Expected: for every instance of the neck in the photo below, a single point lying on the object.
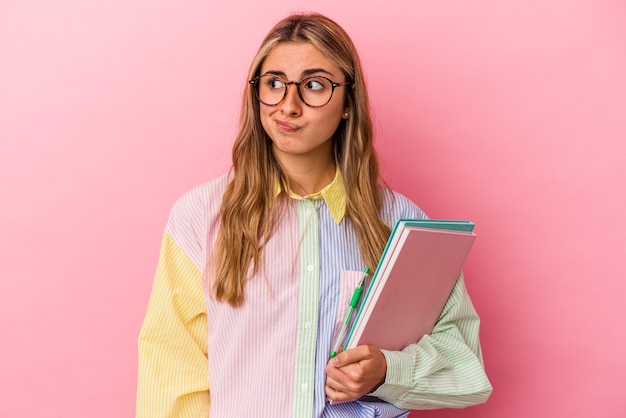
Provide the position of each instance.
(308, 177)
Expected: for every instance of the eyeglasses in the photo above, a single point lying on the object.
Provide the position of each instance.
(314, 91)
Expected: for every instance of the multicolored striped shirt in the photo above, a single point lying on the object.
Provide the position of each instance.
(199, 357)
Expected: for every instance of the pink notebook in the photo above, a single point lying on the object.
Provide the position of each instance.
(410, 287)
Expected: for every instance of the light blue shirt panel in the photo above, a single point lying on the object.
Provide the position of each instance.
(339, 252)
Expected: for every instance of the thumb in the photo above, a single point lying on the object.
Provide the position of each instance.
(343, 358)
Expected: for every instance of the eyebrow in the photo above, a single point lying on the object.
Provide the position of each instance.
(304, 74)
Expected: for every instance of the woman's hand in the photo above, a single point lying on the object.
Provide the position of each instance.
(355, 372)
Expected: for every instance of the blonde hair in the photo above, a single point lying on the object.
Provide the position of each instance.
(250, 208)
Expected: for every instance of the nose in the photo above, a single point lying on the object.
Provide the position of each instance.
(292, 104)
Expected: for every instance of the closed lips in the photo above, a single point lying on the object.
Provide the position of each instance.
(286, 126)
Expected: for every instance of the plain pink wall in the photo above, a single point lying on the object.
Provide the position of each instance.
(512, 114)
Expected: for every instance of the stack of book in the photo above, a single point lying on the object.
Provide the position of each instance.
(417, 271)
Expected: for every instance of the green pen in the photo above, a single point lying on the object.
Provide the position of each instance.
(356, 297)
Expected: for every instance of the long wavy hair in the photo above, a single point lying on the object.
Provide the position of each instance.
(250, 208)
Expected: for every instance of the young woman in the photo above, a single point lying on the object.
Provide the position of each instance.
(257, 265)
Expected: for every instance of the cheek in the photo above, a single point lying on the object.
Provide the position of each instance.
(331, 121)
(335, 113)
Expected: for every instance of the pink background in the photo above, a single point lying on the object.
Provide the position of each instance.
(512, 114)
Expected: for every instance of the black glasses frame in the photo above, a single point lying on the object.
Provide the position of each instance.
(334, 85)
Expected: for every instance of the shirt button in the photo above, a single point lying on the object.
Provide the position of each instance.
(309, 268)
(308, 325)
(304, 387)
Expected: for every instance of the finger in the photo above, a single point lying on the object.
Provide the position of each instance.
(341, 385)
(335, 385)
(344, 387)
(331, 390)
(358, 378)
(334, 372)
(337, 395)
(347, 357)
(346, 378)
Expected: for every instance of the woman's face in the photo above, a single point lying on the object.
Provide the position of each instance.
(299, 132)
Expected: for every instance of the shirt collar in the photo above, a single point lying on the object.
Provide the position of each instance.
(334, 195)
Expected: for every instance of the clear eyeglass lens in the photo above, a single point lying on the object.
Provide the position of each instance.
(314, 91)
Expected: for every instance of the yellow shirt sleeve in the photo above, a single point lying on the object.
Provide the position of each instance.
(173, 376)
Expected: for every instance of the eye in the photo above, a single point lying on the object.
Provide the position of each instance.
(315, 84)
(274, 83)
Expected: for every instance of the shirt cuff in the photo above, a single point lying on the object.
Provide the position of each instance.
(399, 377)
